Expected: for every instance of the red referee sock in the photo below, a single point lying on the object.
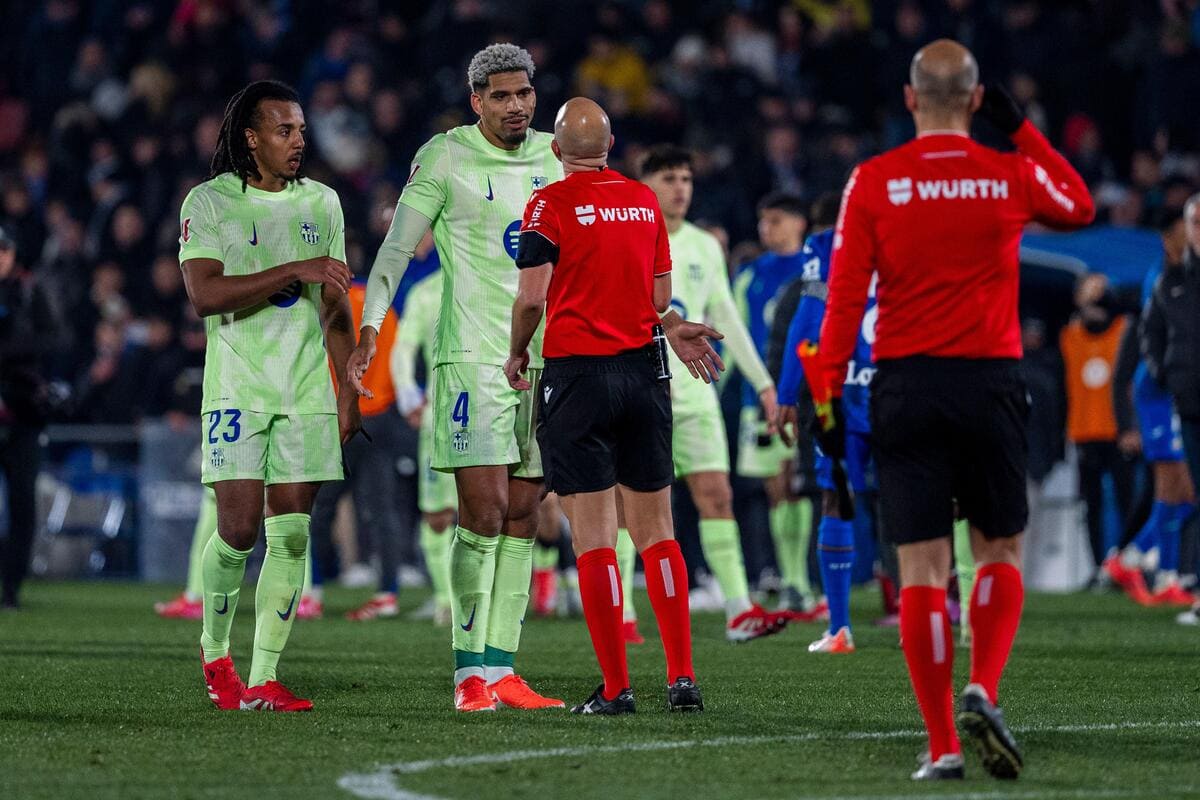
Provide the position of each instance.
(929, 650)
(600, 590)
(995, 614)
(667, 585)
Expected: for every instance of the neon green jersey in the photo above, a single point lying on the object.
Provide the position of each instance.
(701, 293)
(475, 194)
(418, 325)
(270, 357)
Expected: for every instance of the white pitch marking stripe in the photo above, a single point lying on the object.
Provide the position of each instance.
(380, 784)
(664, 564)
(615, 585)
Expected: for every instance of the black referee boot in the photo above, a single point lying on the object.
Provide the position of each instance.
(596, 704)
(993, 741)
(684, 695)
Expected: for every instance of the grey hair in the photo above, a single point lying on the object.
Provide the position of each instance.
(1191, 204)
(497, 58)
(946, 89)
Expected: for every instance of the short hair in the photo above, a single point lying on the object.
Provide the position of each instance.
(233, 154)
(782, 201)
(824, 211)
(1191, 204)
(497, 58)
(664, 156)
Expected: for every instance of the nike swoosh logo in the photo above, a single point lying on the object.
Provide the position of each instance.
(285, 615)
(225, 607)
(254, 232)
(470, 622)
(490, 196)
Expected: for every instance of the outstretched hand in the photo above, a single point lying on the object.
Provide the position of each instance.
(690, 341)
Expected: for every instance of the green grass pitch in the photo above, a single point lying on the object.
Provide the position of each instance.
(100, 699)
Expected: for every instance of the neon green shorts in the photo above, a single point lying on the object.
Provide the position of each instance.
(758, 455)
(436, 491)
(698, 441)
(274, 448)
(479, 420)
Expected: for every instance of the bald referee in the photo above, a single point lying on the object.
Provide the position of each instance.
(594, 256)
(939, 219)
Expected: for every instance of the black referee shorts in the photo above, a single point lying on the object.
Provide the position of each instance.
(604, 420)
(947, 429)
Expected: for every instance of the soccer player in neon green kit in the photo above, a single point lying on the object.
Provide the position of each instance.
(263, 257)
(470, 185)
(698, 443)
(436, 497)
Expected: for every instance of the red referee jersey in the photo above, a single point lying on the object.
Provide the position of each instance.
(940, 220)
(607, 240)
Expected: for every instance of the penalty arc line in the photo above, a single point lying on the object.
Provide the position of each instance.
(380, 784)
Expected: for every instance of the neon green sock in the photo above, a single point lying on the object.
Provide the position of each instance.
(222, 568)
(510, 598)
(472, 570)
(626, 556)
(722, 548)
(964, 565)
(206, 523)
(278, 592)
(801, 511)
(784, 546)
(544, 557)
(436, 549)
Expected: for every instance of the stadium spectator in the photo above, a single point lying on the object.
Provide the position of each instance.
(29, 332)
(947, 404)
(1089, 347)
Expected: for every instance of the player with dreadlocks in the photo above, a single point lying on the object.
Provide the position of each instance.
(263, 257)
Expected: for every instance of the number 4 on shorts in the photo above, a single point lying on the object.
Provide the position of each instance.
(461, 409)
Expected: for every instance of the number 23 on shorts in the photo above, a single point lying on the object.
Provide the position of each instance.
(462, 406)
(230, 431)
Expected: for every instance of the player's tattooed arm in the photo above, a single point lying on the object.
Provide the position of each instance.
(213, 292)
(338, 322)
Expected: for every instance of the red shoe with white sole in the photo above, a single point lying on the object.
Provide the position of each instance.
(225, 688)
(273, 696)
(180, 608)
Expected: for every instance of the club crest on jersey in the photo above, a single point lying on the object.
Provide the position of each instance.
(308, 232)
(460, 441)
(539, 181)
(585, 214)
(217, 458)
(696, 272)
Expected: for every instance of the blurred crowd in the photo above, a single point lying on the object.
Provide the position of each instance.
(109, 112)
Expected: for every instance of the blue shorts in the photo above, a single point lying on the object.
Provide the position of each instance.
(860, 468)
(1162, 439)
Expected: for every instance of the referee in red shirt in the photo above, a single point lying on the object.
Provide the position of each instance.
(939, 219)
(593, 254)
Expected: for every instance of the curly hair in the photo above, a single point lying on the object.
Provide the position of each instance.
(233, 153)
(496, 58)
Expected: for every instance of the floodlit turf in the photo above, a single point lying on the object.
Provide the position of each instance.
(100, 699)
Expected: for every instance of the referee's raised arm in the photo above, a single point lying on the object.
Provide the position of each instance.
(939, 221)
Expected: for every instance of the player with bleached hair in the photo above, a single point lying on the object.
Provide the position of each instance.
(470, 185)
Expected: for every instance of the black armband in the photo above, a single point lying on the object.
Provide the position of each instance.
(534, 249)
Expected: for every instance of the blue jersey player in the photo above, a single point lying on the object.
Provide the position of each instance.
(1162, 447)
(781, 226)
(835, 536)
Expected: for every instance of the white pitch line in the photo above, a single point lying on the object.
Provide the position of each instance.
(381, 785)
